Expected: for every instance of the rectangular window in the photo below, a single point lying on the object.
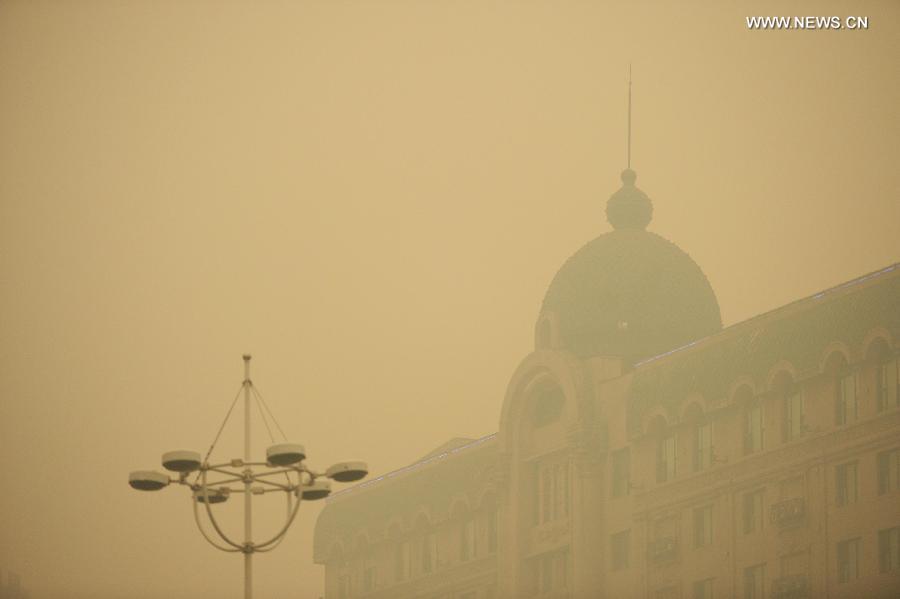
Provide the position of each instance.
(888, 471)
(703, 526)
(368, 582)
(703, 589)
(429, 553)
(793, 416)
(702, 446)
(889, 549)
(753, 511)
(848, 560)
(561, 570)
(620, 549)
(665, 459)
(755, 582)
(889, 384)
(552, 492)
(753, 429)
(621, 472)
(546, 494)
(467, 540)
(401, 561)
(845, 402)
(343, 586)
(846, 484)
(560, 491)
(492, 530)
(552, 572)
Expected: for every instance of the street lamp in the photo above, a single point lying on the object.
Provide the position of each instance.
(283, 461)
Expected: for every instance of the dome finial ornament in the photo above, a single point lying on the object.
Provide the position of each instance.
(629, 207)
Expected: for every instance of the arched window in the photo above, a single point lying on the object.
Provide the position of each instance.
(752, 419)
(702, 432)
(846, 409)
(426, 546)
(666, 449)
(464, 522)
(887, 376)
(793, 423)
(367, 570)
(551, 490)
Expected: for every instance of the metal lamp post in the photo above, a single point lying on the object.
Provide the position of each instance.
(284, 461)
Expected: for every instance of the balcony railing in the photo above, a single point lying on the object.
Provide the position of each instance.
(663, 549)
(788, 513)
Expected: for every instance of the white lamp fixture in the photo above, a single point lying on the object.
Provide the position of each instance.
(147, 480)
(181, 461)
(285, 454)
(284, 461)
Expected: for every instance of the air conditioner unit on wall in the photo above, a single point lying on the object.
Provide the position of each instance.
(791, 587)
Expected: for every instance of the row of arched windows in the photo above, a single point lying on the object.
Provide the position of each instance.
(788, 409)
(362, 567)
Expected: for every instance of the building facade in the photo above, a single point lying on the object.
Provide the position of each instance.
(644, 451)
(12, 588)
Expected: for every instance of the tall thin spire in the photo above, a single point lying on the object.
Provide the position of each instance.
(629, 115)
(629, 208)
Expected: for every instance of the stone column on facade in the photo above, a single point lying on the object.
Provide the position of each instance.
(587, 548)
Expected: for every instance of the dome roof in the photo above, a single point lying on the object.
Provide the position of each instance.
(630, 293)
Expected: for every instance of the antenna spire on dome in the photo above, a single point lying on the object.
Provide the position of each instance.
(629, 207)
(628, 146)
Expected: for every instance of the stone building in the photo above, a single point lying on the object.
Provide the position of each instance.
(644, 451)
(12, 588)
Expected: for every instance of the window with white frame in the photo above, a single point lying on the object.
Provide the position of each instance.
(552, 572)
(753, 511)
(889, 549)
(428, 553)
(620, 550)
(666, 456)
(848, 560)
(621, 472)
(551, 499)
(343, 585)
(703, 447)
(703, 589)
(467, 539)
(846, 485)
(846, 410)
(794, 424)
(402, 561)
(888, 381)
(753, 428)
(703, 526)
(755, 582)
(888, 471)
(492, 532)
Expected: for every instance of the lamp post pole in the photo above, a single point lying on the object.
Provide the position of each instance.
(248, 524)
(283, 461)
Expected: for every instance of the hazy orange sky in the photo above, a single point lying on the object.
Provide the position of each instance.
(371, 197)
